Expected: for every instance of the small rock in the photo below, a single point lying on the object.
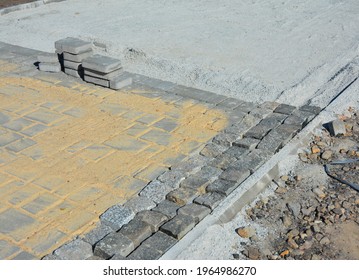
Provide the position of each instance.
(284, 253)
(266, 252)
(284, 178)
(303, 157)
(295, 208)
(315, 149)
(252, 253)
(306, 245)
(319, 236)
(319, 193)
(298, 178)
(293, 233)
(236, 256)
(281, 190)
(325, 241)
(246, 232)
(292, 243)
(343, 151)
(346, 169)
(321, 144)
(307, 211)
(287, 221)
(316, 228)
(316, 257)
(327, 155)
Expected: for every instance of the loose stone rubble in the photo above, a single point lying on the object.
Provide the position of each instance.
(308, 217)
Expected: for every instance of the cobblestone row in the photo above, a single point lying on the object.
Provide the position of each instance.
(173, 203)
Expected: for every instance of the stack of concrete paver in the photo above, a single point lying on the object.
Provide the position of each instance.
(105, 71)
(49, 62)
(73, 51)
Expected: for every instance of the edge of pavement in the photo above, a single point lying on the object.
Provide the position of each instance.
(258, 181)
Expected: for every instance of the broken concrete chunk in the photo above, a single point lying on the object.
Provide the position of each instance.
(336, 127)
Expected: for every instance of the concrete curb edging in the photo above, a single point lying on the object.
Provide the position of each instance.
(25, 6)
(258, 181)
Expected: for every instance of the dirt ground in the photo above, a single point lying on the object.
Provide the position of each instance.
(308, 215)
(9, 3)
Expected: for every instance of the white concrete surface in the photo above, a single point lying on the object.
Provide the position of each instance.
(251, 49)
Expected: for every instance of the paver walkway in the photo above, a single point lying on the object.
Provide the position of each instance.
(92, 173)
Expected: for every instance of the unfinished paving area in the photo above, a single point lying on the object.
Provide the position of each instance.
(254, 50)
(164, 160)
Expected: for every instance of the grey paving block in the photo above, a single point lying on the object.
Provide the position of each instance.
(166, 124)
(222, 186)
(192, 165)
(284, 109)
(48, 58)
(208, 172)
(248, 143)
(160, 241)
(172, 178)
(225, 139)
(50, 67)
(246, 107)
(74, 250)
(140, 203)
(252, 161)
(183, 196)
(18, 125)
(210, 199)
(235, 116)
(44, 116)
(144, 253)
(120, 82)
(273, 120)
(72, 45)
(295, 120)
(97, 81)
(96, 234)
(237, 175)
(306, 115)
(257, 132)
(179, 226)
(136, 230)
(261, 113)
(156, 191)
(167, 208)
(278, 137)
(195, 182)
(24, 256)
(312, 109)
(8, 138)
(100, 63)
(157, 136)
(117, 216)
(153, 218)
(73, 73)
(118, 257)
(94, 258)
(236, 152)
(72, 65)
(4, 118)
(269, 105)
(222, 161)
(230, 103)
(12, 220)
(112, 244)
(196, 211)
(7, 249)
(20, 145)
(212, 150)
(77, 57)
(105, 76)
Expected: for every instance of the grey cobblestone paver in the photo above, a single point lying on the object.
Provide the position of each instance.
(222, 186)
(212, 150)
(225, 139)
(183, 195)
(114, 243)
(156, 191)
(97, 234)
(75, 250)
(160, 242)
(145, 253)
(167, 208)
(153, 218)
(196, 211)
(284, 109)
(179, 226)
(116, 216)
(140, 203)
(210, 200)
(136, 230)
